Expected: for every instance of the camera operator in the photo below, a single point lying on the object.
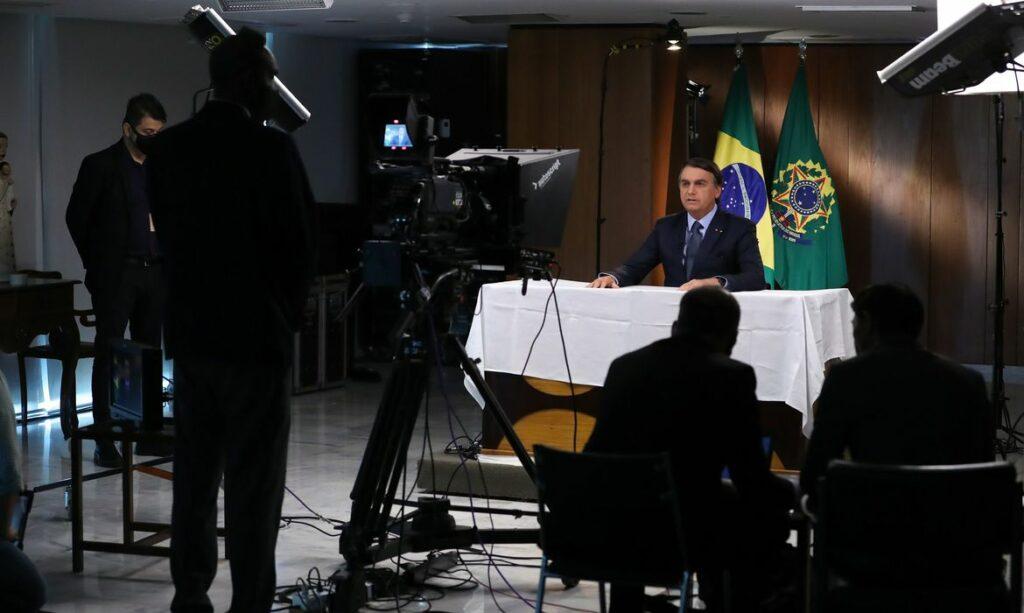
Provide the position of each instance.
(233, 212)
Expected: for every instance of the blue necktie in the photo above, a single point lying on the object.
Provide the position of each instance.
(692, 246)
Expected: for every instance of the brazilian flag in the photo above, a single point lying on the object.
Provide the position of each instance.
(737, 154)
(804, 208)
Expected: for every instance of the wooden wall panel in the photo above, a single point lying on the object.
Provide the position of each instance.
(554, 94)
(959, 227)
(915, 179)
(896, 193)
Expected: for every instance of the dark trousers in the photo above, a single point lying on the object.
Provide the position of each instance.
(230, 420)
(21, 587)
(137, 300)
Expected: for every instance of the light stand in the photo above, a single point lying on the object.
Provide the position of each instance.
(676, 40)
(1014, 440)
(955, 59)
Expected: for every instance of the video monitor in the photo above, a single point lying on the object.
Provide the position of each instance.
(136, 384)
(398, 130)
(396, 136)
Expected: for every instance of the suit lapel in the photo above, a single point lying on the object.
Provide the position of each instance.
(711, 235)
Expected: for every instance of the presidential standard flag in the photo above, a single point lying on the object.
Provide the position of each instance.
(804, 209)
(739, 157)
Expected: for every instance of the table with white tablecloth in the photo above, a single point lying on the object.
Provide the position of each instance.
(787, 336)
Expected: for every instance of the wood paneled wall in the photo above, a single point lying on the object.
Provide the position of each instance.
(915, 177)
(915, 180)
(554, 85)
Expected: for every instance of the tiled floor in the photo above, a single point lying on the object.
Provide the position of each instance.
(328, 436)
(329, 432)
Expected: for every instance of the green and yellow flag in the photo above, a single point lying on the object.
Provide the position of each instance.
(804, 208)
(737, 154)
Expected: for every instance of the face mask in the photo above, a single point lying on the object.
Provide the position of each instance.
(142, 141)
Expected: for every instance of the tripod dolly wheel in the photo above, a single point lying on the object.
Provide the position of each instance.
(570, 582)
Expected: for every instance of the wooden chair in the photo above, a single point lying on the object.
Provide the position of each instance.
(46, 351)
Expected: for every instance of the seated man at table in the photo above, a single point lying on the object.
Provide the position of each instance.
(685, 396)
(701, 246)
(896, 402)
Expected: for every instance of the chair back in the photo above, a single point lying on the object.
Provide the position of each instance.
(918, 525)
(607, 517)
(19, 517)
(41, 274)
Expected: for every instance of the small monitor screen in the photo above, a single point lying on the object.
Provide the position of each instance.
(396, 137)
(126, 384)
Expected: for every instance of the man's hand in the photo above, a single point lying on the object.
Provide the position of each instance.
(695, 283)
(605, 281)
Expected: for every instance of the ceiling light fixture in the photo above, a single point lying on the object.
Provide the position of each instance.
(235, 6)
(674, 36)
(859, 8)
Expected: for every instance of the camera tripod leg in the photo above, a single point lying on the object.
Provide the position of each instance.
(491, 404)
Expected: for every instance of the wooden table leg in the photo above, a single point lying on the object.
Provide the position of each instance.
(67, 339)
(77, 558)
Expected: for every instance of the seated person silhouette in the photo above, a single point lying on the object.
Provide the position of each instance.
(684, 395)
(897, 402)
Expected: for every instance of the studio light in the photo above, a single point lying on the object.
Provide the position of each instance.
(674, 36)
(697, 91)
(859, 8)
(237, 6)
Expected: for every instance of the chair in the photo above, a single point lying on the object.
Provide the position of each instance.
(46, 351)
(609, 518)
(917, 538)
(19, 518)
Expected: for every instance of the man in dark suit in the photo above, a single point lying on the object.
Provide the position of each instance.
(110, 222)
(897, 403)
(233, 213)
(701, 246)
(685, 396)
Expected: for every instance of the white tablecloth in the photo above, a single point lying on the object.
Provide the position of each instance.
(786, 336)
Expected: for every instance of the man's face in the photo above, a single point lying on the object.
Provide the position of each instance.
(147, 126)
(698, 191)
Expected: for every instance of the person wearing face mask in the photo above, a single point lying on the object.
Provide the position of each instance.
(109, 218)
(233, 210)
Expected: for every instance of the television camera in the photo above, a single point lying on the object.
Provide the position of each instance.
(439, 222)
(476, 209)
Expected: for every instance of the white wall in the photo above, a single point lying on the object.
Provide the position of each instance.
(322, 73)
(93, 69)
(64, 89)
(19, 119)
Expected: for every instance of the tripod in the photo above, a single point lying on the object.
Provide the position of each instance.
(372, 534)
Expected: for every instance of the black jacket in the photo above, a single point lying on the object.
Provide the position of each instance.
(729, 250)
(232, 207)
(899, 405)
(675, 396)
(98, 217)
